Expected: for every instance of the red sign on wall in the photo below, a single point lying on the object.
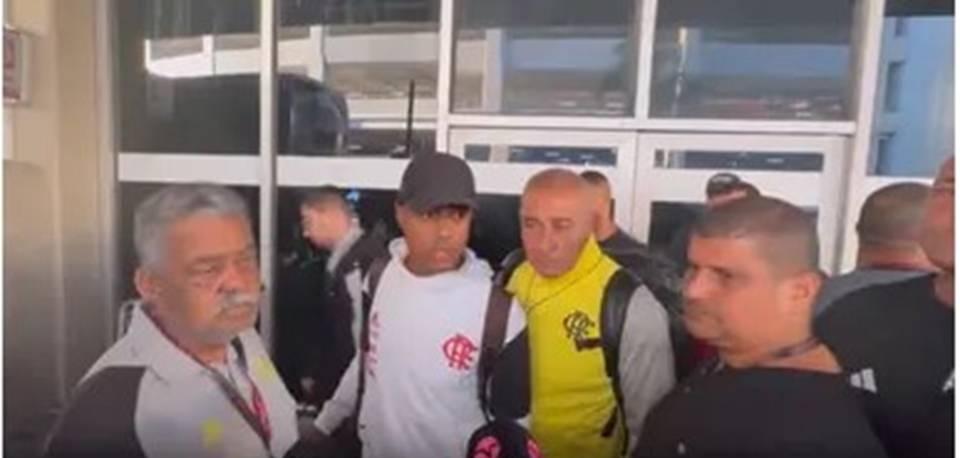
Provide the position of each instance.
(14, 66)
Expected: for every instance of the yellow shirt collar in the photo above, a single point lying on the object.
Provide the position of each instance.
(531, 288)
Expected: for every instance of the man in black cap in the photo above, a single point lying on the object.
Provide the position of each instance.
(727, 187)
(722, 188)
(425, 327)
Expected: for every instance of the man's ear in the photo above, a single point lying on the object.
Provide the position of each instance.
(400, 212)
(804, 290)
(147, 284)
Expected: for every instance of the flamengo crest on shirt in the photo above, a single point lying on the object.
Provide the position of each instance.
(459, 351)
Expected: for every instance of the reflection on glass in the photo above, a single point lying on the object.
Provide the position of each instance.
(535, 154)
(189, 73)
(560, 57)
(752, 59)
(177, 93)
(390, 142)
(369, 51)
(913, 116)
(739, 160)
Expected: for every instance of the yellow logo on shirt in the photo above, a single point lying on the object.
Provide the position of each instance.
(212, 431)
(264, 369)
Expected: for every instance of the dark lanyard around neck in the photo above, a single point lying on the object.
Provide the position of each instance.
(796, 349)
(788, 351)
(256, 420)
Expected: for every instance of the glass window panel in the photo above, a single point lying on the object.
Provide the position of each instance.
(752, 59)
(176, 92)
(913, 128)
(375, 54)
(545, 57)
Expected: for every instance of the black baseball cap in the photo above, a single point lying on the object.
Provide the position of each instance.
(434, 180)
(722, 183)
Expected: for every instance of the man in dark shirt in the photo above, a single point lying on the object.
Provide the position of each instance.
(662, 277)
(896, 342)
(774, 391)
(330, 224)
(658, 273)
(888, 232)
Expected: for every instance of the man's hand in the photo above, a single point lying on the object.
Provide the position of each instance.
(313, 443)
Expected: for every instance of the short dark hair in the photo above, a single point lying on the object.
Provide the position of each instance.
(324, 197)
(788, 234)
(893, 214)
(594, 177)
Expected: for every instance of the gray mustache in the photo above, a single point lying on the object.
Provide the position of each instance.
(242, 300)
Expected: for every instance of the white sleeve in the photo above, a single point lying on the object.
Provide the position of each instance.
(343, 402)
(516, 321)
(354, 283)
(646, 360)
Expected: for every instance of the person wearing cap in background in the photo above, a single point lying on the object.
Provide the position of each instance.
(722, 188)
(774, 390)
(418, 394)
(888, 231)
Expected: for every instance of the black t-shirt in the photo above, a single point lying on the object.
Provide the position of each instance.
(895, 342)
(759, 412)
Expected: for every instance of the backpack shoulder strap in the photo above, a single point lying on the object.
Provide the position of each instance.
(374, 272)
(509, 264)
(613, 314)
(373, 280)
(494, 334)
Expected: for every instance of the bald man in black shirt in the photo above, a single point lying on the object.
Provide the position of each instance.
(896, 342)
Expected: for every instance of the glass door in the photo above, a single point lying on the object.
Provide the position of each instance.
(672, 171)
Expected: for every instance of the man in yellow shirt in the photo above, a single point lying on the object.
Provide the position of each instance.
(579, 404)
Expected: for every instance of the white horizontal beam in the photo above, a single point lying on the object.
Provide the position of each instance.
(665, 125)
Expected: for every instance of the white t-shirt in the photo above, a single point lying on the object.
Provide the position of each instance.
(421, 385)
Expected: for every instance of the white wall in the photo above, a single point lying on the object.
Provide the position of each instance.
(55, 292)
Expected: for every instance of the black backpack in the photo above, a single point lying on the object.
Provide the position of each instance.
(615, 301)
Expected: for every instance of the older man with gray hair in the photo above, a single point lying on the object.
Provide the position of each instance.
(191, 376)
